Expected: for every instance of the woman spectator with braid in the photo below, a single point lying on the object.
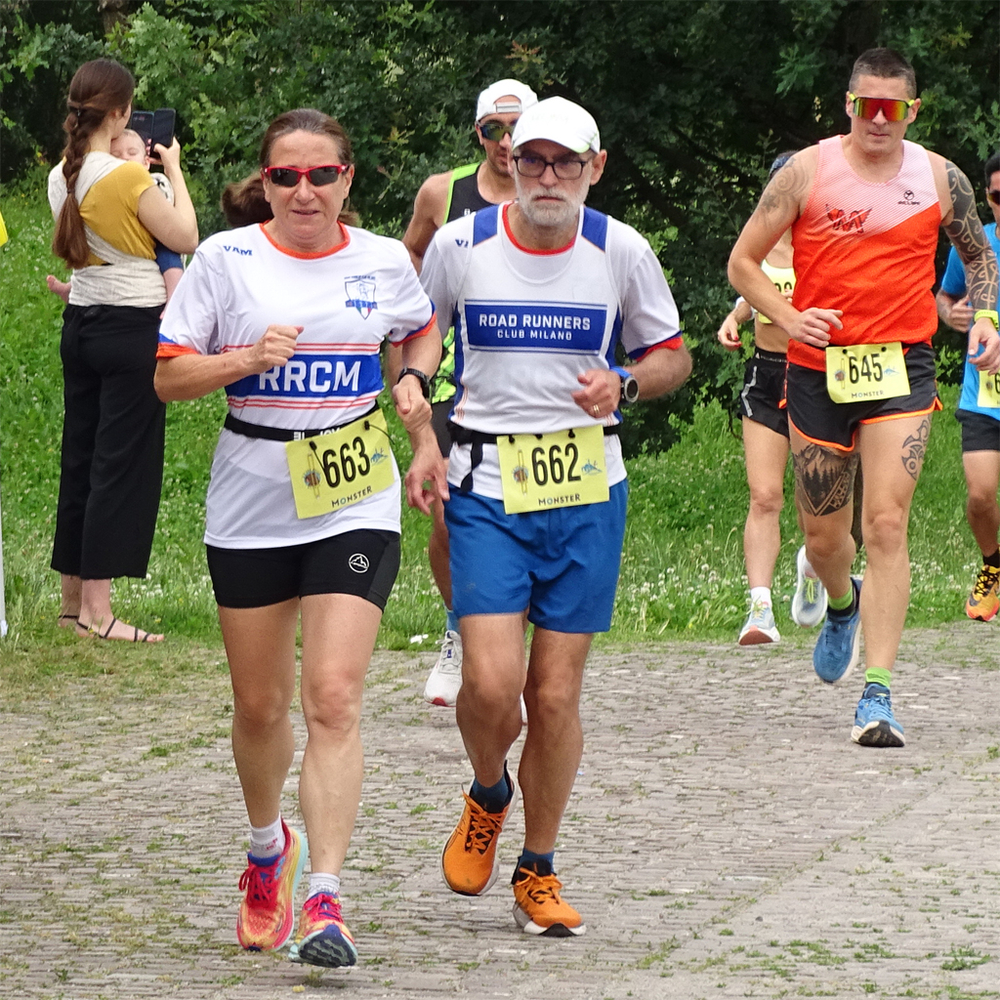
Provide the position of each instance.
(109, 213)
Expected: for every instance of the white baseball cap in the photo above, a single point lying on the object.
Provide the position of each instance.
(489, 102)
(558, 120)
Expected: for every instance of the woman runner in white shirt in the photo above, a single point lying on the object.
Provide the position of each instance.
(289, 316)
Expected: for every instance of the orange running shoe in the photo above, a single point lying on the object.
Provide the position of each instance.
(323, 937)
(983, 602)
(539, 909)
(267, 912)
(469, 861)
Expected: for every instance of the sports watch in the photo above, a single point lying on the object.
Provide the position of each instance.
(990, 314)
(425, 382)
(630, 388)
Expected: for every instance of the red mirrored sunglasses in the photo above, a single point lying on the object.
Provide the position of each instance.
(289, 177)
(893, 110)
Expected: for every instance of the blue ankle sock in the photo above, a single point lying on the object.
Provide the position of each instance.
(495, 798)
(541, 864)
(451, 620)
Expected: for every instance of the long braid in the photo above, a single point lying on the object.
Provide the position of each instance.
(98, 88)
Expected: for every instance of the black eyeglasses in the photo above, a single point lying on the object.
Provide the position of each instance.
(534, 166)
(494, 131)
(994, 196)
(289, 177)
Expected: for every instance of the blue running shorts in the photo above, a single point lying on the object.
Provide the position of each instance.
(560, 564)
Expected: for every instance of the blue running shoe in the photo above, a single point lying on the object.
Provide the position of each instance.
(839, 642)
(874, 723)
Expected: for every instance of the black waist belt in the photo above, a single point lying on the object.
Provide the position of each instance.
(774, 356)
(249, 430)
(463, 435)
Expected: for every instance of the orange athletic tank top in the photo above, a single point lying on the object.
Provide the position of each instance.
(868, 249)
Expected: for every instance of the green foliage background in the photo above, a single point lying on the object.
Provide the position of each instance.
(694, 99)
(682, 567)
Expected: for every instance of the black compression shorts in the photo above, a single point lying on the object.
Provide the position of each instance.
(361, 562)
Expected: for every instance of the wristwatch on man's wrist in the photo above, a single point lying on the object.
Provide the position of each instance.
(630, 388)
(425, 382)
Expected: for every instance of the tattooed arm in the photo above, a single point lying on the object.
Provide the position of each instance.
(982, 280)
(779, 207)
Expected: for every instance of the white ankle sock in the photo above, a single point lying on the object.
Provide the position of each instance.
(760, 595)
(267, 841)
(324, 882)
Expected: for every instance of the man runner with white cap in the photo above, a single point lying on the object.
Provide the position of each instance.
(442, 198)
(541, 291)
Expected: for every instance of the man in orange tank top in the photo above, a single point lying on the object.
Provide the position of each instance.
(865, 209)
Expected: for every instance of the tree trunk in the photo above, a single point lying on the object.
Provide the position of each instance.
(113, 13)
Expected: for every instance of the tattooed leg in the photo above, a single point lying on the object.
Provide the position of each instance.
(824, 479)
(915, 447)
(824, 492)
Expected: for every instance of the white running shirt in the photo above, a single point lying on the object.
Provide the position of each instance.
(527, 323)
(348, 300)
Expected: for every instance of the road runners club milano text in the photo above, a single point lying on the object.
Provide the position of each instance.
(577, 327)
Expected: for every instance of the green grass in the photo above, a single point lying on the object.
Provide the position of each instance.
(682, 569)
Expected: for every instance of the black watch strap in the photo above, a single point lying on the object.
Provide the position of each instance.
(425, 382)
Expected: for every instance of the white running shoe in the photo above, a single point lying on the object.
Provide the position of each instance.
(809, 600)
(445, 679)
(759, 626)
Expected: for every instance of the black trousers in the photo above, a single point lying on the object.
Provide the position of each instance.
(112, 443)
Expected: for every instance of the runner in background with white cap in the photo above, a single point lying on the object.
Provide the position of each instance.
(442, 198)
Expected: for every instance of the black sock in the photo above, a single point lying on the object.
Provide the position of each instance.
(495, 798)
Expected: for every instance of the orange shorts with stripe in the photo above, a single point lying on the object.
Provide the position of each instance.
(835, 425)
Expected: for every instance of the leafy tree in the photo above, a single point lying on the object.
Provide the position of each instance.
(694, 99)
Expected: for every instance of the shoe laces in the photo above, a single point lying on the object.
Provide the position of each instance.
(877, 698)
(324, 906)
(541, 889)
(812, 590)
(483, 827)
(447, 663)
(988, 578)
(260, 882)
(760, 612)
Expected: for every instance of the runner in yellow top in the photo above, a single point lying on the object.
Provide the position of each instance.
(765, 444)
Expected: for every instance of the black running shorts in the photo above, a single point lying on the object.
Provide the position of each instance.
(979, 432)
(363, 563)
(834, 425)
(763, 391)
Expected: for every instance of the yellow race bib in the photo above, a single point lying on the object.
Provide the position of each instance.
(863, 372)
(332, 471)
(989, 390)
(561, 469)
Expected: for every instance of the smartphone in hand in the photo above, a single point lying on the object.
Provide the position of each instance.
(155, 127)
(142, 122)
(163, 130)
